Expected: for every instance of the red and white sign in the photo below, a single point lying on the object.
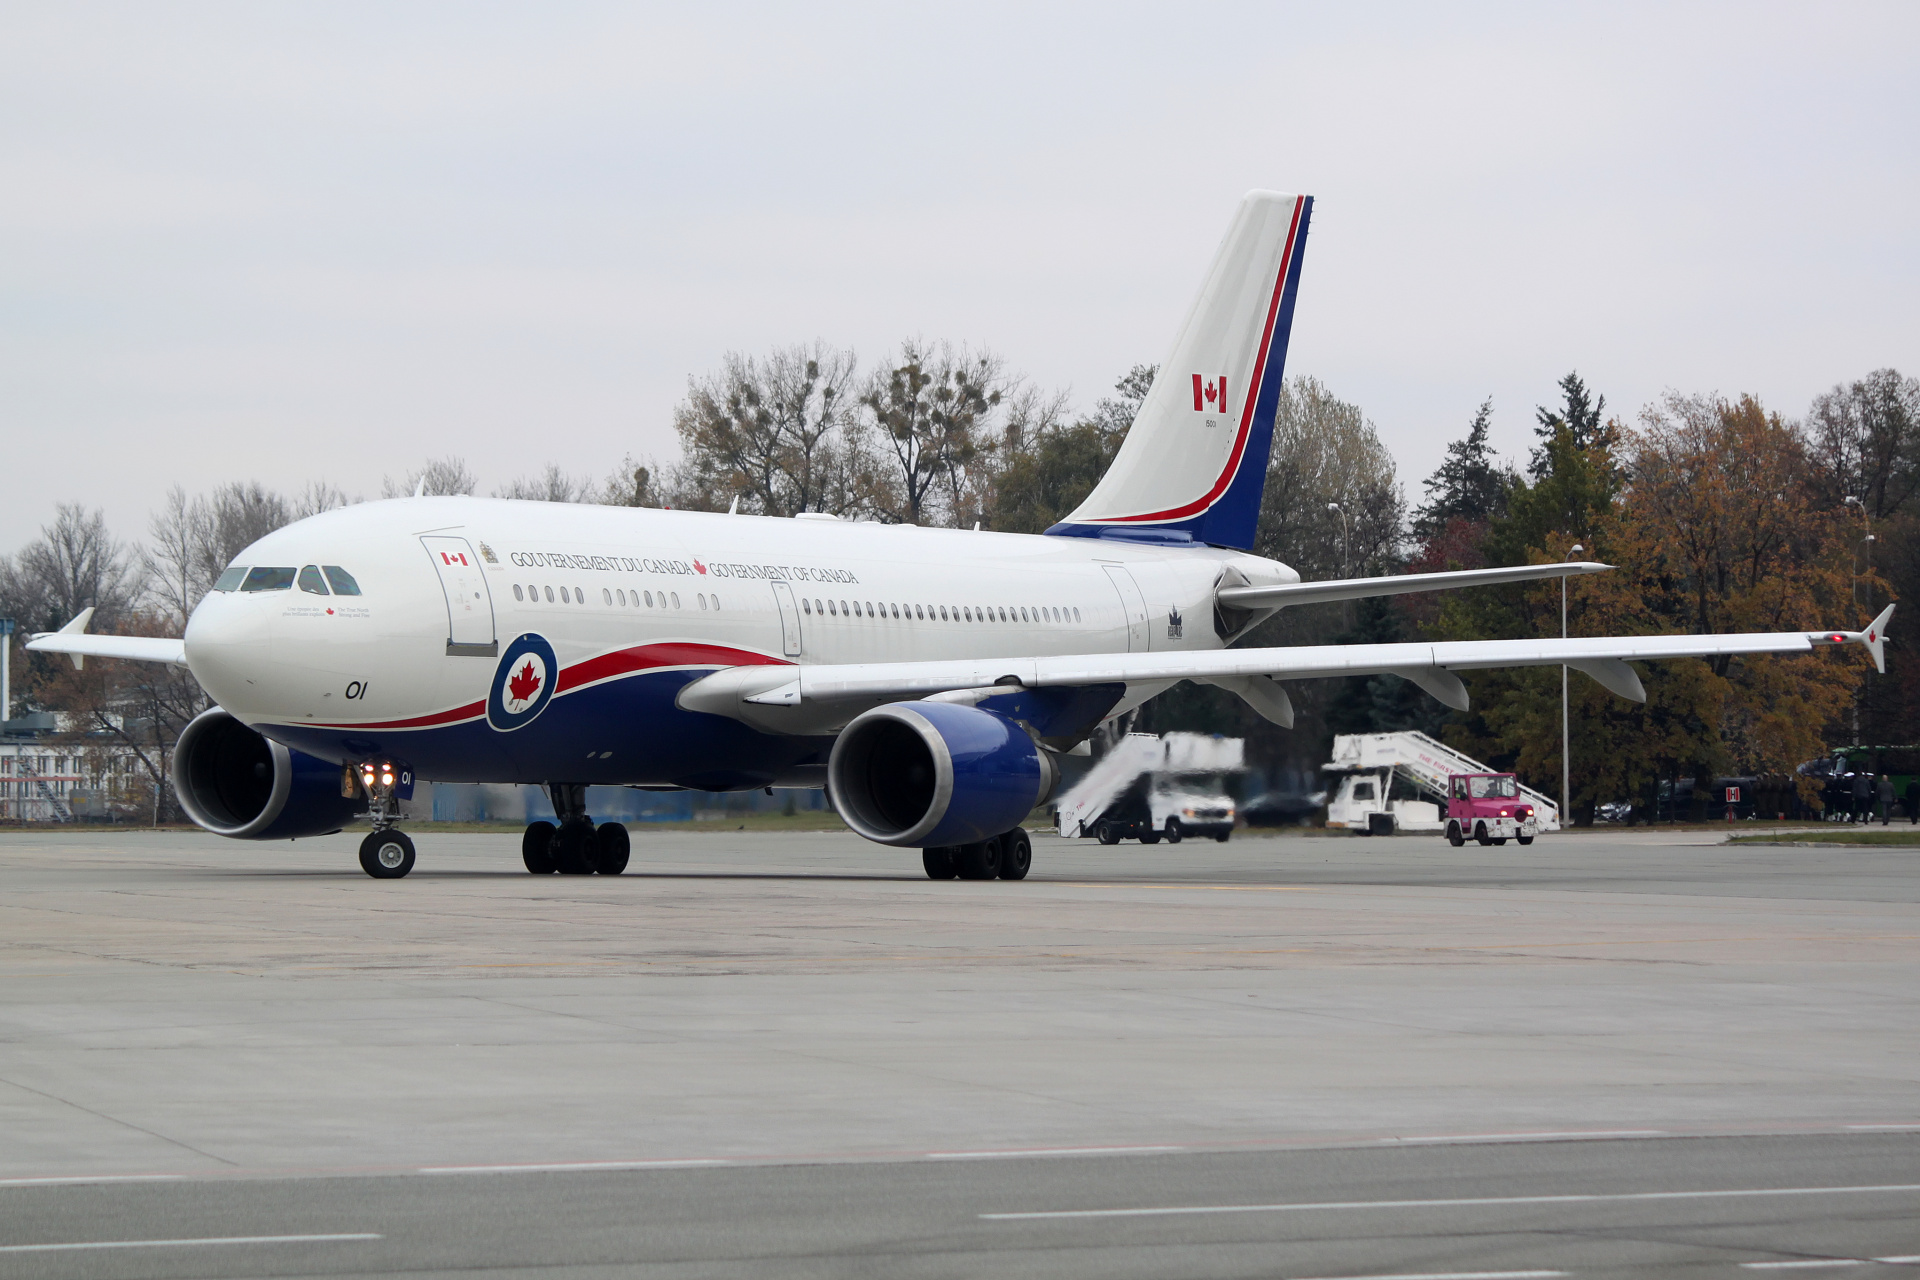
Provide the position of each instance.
(1209, 394)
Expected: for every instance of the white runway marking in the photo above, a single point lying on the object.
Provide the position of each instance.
(1812, 1263)
(586, 1166)
(175, 1244)
(1456, 1275)
(1048, 1151)
(87, 1178)
(1477, 1201)
(1533, 1137)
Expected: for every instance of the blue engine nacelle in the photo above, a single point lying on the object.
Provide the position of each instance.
(927, 774)
(236, 782)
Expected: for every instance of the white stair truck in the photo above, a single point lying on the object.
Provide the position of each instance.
(1368, 764)
(1150, 788)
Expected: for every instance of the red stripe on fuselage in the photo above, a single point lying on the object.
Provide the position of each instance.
(652, 657)
(1246, 416)
(646, 657)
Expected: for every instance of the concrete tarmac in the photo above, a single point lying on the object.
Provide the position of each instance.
(827, 1058)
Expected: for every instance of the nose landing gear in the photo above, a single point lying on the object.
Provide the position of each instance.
(386, 853)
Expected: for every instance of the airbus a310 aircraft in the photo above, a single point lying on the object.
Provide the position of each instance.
(929, 678)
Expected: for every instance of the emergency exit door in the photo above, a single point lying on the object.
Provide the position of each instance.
(1132, 604)
(789, 619)
(469, 603)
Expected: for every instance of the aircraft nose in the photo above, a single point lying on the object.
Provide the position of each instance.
(228, 648)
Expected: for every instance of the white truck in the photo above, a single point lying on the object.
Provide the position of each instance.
(1367, 765)
(1152, 788)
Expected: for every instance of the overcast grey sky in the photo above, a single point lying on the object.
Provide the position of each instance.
(327, 241)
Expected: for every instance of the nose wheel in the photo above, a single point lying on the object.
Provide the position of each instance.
(386, 855)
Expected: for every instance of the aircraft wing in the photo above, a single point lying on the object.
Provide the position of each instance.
(754, 693)
(74, 641)
(1397, 584)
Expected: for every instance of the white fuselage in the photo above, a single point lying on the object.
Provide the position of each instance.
(620, 593)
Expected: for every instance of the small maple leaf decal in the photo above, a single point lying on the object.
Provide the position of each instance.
(698, 567)
(524, 683)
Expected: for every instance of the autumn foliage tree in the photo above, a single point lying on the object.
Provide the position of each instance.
(1710, 509)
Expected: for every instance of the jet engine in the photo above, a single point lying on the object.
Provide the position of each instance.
(236, 782)
(926, 774)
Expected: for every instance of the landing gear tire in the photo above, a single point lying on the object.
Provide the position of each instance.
(1480, 833)
(1149, 837)
(938, 862)
(1108, 833)
(1524, 839)
(573, 849)
(1016, 854)
(386, 855)
(1175, 833)
(979, 860)
(615, 848)
(536, 848)
(1454, 837)
(1499, 839)
(1222, 837)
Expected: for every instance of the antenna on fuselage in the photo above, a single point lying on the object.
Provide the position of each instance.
(420, 490)
(734, 509)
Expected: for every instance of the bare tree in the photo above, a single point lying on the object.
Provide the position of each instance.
(772, 432)
(446, 475)
(932, 411)
(1325, 451)
(1866, 442)
(633, 484)
(551, 485)
(75, 564)
(319, 496)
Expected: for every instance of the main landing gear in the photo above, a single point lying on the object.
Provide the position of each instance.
(575, 847)
(386, 853)
(1007, 856)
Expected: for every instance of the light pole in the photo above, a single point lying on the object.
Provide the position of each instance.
(1868, 524)
(1566, 773)
(1859, 692)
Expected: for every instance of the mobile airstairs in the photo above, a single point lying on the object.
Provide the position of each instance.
(1128, 788)
(1367, 765)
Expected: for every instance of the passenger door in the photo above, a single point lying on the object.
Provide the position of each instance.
(469, 604)
(789, 619)
(1132, 604)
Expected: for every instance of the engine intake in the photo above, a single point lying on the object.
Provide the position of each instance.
(927, 774)
(236, 782)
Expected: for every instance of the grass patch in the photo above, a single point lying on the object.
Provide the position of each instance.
(1887, 836)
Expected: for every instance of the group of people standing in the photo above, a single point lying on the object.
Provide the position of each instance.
(1873, 797)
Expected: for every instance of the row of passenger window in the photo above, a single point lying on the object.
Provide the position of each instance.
(314, 579)
(618, 596)
(941, 612)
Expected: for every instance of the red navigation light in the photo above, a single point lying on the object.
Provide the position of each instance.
(1837, 638)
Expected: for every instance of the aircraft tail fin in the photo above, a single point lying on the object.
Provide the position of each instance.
(1194, 463)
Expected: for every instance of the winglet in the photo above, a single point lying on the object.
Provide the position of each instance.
(77, 627)
(1875, 638)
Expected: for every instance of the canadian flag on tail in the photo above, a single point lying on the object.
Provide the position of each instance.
(1209, 394)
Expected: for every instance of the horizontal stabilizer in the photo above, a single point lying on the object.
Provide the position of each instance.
(1397, 584)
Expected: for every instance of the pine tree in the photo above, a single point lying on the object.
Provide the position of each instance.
(1470, 484)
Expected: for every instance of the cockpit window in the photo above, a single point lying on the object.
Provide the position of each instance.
(231, 579)
(343, 583)
(310, 581)
(262, 578)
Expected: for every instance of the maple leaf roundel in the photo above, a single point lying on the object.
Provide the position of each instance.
(522, 683)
